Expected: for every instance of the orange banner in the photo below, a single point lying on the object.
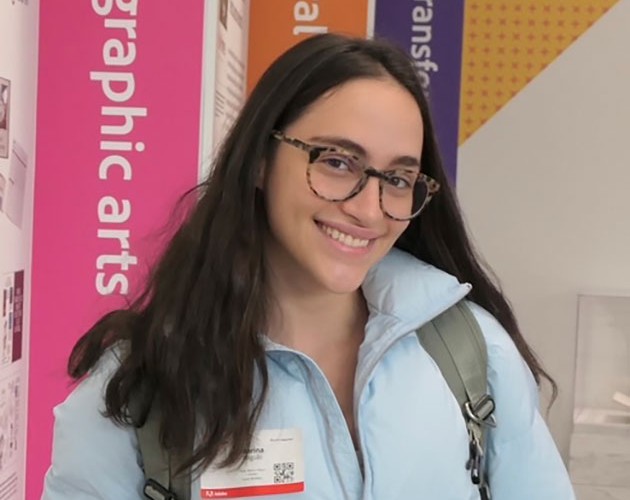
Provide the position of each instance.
(276, 25)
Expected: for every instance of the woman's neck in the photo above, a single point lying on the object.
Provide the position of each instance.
(310, 321)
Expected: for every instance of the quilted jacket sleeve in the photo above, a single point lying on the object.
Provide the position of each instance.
(93, 458)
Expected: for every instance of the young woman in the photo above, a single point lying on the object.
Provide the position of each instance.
(278, 329)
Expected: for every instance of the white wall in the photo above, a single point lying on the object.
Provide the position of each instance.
(545, 186)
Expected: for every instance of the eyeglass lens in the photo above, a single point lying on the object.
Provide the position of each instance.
(336, 177)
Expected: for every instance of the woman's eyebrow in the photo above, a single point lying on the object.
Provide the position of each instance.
(342, 142)
(356, 148)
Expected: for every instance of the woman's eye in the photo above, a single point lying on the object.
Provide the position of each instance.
(338, 163)
(399, 182)
(401, 178)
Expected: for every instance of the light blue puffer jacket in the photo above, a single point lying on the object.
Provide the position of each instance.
(412, 436)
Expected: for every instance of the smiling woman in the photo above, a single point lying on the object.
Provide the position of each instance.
(274, 351)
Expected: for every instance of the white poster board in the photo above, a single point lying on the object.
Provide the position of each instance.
(224, 73)
(18, 95)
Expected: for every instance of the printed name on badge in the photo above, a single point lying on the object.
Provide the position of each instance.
(274, 466)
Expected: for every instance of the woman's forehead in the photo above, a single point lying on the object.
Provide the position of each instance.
(379, 115)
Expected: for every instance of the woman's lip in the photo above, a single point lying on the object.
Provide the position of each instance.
(356, 232)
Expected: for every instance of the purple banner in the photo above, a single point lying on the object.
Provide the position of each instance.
(431, 33)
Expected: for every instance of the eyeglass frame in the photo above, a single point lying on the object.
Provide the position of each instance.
(314, 151)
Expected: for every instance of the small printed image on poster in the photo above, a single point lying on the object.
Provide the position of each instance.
(10, 392)
(223, 12)
(12, 351)
(7, 284)
(230, 67)
(11, 318)
(16, 188)
(5, 106)
(3, 191)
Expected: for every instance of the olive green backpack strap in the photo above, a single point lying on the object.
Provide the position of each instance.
(160, 466)
(456, 344)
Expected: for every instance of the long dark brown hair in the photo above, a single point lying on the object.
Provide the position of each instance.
(190, 341)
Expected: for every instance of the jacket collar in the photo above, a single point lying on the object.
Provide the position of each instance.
(408, 289)
(402, 294)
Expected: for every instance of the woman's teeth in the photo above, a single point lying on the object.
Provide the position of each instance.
(346, 239)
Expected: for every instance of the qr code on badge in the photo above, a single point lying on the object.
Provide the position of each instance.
(284, 472)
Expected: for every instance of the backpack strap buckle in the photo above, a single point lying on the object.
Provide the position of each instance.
(475, 460)
(478, 415)
(155, 491)
(481, 412)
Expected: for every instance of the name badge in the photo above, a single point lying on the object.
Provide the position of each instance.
(274, 466)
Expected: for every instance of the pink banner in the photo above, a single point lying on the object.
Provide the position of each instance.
(117, 142)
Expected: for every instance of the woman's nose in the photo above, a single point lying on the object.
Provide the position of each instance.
(365, 206)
